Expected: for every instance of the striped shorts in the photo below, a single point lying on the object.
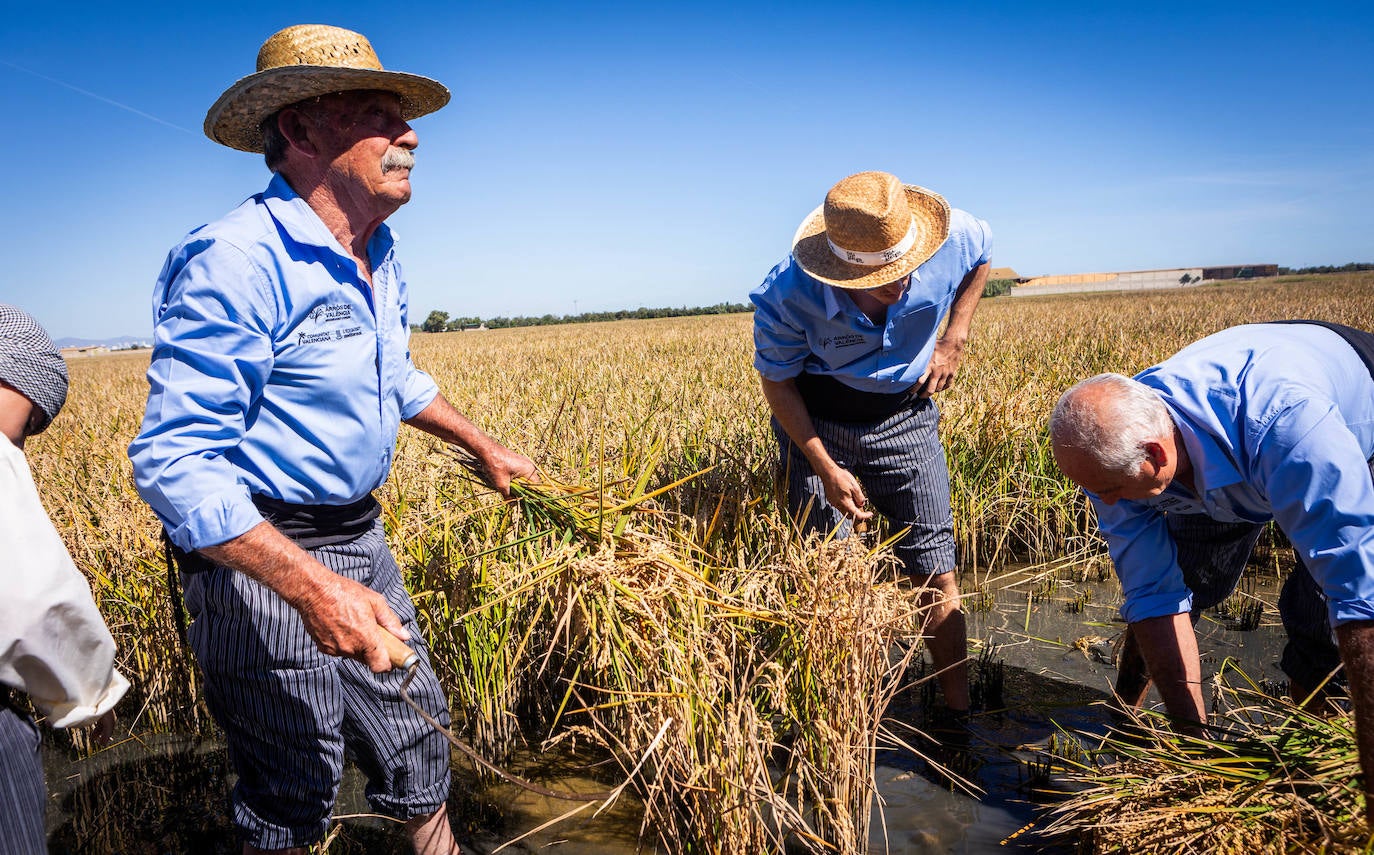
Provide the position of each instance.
(900, 463)
(22, 795)
(289, 712)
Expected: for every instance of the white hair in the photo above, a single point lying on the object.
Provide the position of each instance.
(1112, 426)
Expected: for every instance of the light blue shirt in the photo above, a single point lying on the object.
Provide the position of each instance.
(1278, 423)
(801, 324)
(276, 370)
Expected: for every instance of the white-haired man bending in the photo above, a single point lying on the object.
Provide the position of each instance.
(1187, 462)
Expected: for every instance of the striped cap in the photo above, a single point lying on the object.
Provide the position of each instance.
(30, 363)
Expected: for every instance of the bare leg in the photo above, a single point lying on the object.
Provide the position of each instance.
(432, 835)
(947, 636)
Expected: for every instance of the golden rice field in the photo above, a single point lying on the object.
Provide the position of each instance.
(736, 677)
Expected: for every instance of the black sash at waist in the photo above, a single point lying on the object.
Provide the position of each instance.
(313, 526)
(831, 399)
(308, 526)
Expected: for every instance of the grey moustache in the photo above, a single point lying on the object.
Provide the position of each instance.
(397, 158)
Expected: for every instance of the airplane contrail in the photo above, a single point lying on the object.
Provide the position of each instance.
(102, 98)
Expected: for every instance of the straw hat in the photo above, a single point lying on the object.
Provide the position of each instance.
(872, 230)
(302, 62)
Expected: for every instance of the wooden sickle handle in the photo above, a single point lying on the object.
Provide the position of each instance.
(401, 654)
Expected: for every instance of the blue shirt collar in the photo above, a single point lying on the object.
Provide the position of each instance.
(832, 300)
(1212, 465)
(304, 226)
(833, 306)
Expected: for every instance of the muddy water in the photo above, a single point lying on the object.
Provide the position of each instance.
(1050, 641)
(1054, 640)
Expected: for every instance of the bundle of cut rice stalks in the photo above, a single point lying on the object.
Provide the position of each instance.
(746, 700)
(1268, 776)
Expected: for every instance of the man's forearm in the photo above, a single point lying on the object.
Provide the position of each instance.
(966, 298)
(443, 420)
(270, 557)
(499, 463)
(1169, 647)
(789, 409)
(1357, 654)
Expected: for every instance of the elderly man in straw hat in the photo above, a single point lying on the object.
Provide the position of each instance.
(1187, 462)
(848, 345)
(280, 376)
(54, 647)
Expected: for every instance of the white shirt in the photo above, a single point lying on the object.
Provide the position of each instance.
(54, 645)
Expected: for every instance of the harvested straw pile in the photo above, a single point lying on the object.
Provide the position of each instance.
(745, 703)
(1268, 777)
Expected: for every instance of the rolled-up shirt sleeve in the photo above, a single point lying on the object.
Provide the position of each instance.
(780, 346)
(54, 645)
(420, 391)
(212, 354)
(979, 242)
(1146, 560)
(1317, 479)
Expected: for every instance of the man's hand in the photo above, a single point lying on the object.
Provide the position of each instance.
(343, 617)
(842, 491)
(103, 730)
(503, 466)
(944, 364)
(949, 348)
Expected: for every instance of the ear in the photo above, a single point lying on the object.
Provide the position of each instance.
(298, 132)
(1156, 455)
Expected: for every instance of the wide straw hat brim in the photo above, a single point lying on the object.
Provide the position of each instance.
(811, 249)
(236, 118)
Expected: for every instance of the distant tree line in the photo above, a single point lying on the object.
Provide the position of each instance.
(441, 322)
(998, 287)
(1352, 267)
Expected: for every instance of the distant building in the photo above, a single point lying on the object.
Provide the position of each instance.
(1138, 280)
(88, 350)
(998, 274)
(1238, 271)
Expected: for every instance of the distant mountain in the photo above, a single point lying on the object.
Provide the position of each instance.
(117, 343)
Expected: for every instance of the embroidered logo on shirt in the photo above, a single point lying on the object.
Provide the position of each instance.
(838, 341)
(1173, 504)
(333, 312)
(328, 314)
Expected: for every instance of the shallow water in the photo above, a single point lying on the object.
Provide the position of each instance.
(168, 794)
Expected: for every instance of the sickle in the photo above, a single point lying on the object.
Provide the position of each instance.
(402, 656)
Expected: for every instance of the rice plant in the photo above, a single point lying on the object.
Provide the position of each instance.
(1265, 776)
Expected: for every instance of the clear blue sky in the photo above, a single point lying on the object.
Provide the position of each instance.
(600, 156)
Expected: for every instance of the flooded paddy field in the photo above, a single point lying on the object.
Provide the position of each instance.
(694, 594)
(1041, 641)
